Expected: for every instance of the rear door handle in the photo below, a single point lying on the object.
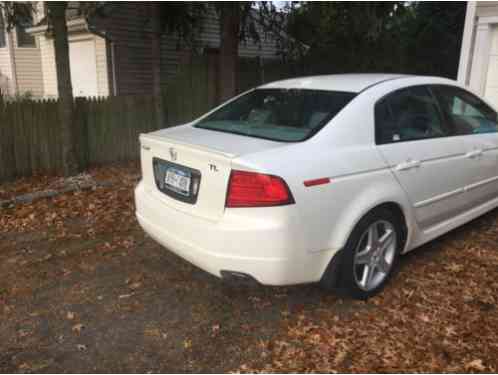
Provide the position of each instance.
(409, 164)
(474, 154)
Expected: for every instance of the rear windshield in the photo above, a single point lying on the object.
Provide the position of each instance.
(286, 115)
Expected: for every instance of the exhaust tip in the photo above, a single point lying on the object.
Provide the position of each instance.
(235, 277)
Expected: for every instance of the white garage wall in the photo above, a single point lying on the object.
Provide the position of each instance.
(6, 78)
(97, 58)
(491, 89)
(48, 66)
(83, 62)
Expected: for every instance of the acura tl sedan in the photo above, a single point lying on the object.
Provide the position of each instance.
(320, 179)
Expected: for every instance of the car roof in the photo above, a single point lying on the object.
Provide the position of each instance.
(335, 82)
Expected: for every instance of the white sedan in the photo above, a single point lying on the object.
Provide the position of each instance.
(320, 179)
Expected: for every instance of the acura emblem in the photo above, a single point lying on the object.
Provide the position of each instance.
(173, 154)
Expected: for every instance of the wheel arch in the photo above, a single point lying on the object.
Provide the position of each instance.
(400, 207)
(392, 198)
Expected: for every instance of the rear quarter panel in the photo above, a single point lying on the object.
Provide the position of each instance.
(360, 181)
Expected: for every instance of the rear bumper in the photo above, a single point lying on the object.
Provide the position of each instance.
(267, 246)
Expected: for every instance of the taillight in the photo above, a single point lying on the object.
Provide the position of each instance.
(250, 189)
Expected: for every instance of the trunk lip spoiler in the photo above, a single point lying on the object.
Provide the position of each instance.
(211, 151)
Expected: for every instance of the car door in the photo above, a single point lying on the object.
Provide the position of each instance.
(427, 161)
(476, 123)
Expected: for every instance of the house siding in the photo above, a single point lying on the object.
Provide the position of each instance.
(27, 63)
(128, 29)
(7, 85)
(101, 63)
(209, 37)
(20, 68)
(487, 8)
(6, 80)
(48, 67)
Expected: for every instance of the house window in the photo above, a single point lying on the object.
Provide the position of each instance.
(2, 31)
(23, 38)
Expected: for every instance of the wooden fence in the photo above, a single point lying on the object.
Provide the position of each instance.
(107, 129)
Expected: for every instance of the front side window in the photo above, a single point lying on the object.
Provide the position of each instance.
(467, 113)
(286, 115)
(406, 115)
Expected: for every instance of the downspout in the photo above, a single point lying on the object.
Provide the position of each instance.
(103, 35)
(12, 61)
(113, 67)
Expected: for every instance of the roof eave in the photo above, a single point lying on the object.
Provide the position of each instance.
(75, 25)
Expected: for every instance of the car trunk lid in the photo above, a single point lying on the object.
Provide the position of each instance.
(209, 173)
(203, 155)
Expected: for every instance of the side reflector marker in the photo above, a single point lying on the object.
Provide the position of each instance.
(318, 181)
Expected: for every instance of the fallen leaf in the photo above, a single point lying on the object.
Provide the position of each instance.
(135, 285)
(78, 327)
(152, 332)
(339, 357)
(24, 366)
(424, 318)
(187, 344)
(476, 365)
(450, 331)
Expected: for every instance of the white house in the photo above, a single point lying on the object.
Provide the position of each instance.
(478, 66)
(109, 55)
(20, 62)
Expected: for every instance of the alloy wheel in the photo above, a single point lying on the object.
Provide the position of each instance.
(374, 255)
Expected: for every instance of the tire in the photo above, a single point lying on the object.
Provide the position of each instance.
(368, 260)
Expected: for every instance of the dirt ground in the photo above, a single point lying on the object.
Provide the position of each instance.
(83, 289)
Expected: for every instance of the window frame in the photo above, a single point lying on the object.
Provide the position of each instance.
(22, 28)
(440, 113)
(448, 115)
(3, 32)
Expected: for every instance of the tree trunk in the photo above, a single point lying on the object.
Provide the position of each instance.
(156, 65)
(229, 48)
(57, 18)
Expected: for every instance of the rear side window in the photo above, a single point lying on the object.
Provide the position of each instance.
(467, 113)
(407, 115)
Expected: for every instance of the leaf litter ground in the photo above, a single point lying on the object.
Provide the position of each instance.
(83, 289)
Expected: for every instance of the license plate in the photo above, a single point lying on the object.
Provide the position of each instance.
(178, 181)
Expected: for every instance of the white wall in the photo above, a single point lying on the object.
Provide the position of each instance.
(99, 58)
(6, 78)
(48, 66)
(491, 88)
(478, 66)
